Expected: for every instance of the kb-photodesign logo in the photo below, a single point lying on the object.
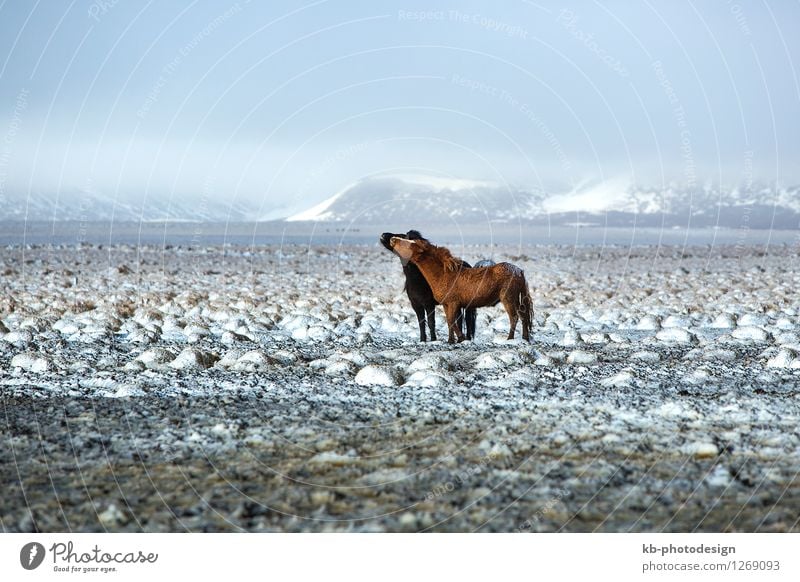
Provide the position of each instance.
(31, 555)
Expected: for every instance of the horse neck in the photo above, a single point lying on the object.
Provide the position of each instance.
(432, 268)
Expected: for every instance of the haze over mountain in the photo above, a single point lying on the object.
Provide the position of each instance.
(419, 199)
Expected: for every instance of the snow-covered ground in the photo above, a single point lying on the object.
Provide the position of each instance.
(269, 388)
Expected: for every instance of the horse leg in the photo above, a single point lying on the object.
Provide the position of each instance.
(513, 315)
(451, 312)
(432, 321)
(470, 317)
(420, 311)
(526, 314)
(460, 320)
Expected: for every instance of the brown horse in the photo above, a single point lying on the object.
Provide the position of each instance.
(456, 288)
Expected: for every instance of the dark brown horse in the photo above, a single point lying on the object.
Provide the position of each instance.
(419, 293)
(456, 287)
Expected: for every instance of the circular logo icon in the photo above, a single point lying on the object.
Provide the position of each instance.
(31, 555)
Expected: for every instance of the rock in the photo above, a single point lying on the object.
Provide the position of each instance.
(719, 477)
(391, 324)
(22, 336)
(30, 363)
(300, 333)
(675, 410)
(231, 337)
(383, 476)
(318, 333)
(373, 375)
(648, 323)
(783, 359)
(134, 366)
(320, 497)
(229, 359)
(595, 337)
(675, 335)
(251, 361)
(26, 523)
(407, 521)
(755, 334)
(701, 375)
(494, 360)
(155, 358)
(428, 379)
(429, 362)
(645, 356)
(723, 321)
(571, 338)
(193, 359)
(787, 338)
(718, 355)
(751, 320)
(620, 380)
(340, 368)
(333, 459)
(702, 450)
(676, 321)
(196, 330)
(112, 517)
(581, 357)
(143, 336)
(284, 357)
(66, 327)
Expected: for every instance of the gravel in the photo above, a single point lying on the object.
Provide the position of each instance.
(284, 389)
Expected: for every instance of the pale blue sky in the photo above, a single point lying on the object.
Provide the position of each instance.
(287, 103)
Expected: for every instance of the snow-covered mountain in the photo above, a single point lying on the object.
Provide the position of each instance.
(614, 202)
(419, 200)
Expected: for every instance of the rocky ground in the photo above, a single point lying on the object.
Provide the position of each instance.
(284, 389)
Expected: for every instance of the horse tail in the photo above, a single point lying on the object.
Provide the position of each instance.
(526, 303)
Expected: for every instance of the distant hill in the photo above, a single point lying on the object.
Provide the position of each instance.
(421, 200)
(85, 207)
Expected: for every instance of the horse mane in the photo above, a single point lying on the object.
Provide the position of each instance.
(444, 256)
(416, 235)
